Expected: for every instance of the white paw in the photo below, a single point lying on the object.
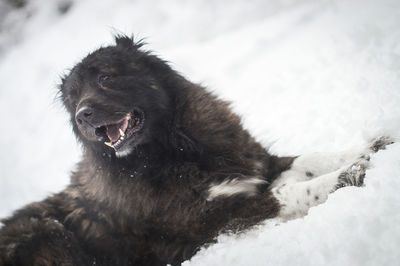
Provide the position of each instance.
(354, 175)
(380, 143)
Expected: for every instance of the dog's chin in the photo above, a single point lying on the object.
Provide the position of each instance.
(124, 152)
(129, 146)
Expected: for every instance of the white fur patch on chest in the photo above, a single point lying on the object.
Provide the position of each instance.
(235, 186)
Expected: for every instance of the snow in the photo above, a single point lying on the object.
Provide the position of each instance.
(356, 226)
(305, 75)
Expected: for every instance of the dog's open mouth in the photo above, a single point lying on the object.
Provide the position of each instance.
(116, 134)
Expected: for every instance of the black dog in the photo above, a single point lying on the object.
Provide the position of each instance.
(166, 167)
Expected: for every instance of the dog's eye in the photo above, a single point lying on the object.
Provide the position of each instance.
(103, 78)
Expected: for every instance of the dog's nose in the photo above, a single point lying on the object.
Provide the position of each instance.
(84, 114)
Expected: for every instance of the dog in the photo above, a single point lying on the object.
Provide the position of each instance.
(166, 167)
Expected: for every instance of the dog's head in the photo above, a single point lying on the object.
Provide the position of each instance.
(115, 98)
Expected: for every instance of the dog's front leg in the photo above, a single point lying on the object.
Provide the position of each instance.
(39, 241)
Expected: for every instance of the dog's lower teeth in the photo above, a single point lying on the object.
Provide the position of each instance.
(109, 144)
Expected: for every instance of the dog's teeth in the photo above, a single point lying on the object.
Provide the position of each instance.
(121, 132)
(121, 138)
(109, 144)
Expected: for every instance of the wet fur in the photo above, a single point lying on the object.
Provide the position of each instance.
(150, 207)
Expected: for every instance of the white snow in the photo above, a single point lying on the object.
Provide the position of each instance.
(305, 75)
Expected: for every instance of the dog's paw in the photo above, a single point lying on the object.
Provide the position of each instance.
(354, 175)
(380, 143)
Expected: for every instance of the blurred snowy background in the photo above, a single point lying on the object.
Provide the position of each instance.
(306, 75)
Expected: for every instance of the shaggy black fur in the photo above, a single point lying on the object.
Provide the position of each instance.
(150, 205)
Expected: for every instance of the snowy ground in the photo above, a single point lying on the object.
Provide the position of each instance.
(305, 76)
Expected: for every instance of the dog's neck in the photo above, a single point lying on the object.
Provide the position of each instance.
(141, 162)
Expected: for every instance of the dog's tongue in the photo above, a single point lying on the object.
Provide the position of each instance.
(113, 132)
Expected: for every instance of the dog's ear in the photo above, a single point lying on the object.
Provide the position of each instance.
(124, 41)
(127, 42)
